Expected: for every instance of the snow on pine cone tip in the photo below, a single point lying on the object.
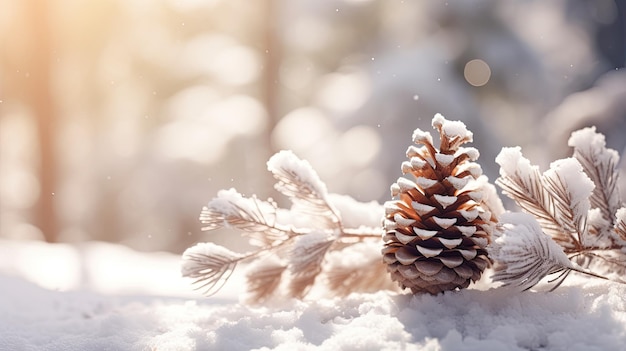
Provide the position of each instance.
(438, 226)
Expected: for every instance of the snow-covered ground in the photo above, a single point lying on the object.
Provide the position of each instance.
(97, 296)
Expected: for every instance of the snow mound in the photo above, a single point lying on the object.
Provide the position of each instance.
(582, 314)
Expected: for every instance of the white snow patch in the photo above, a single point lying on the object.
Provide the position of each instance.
(576, 182)
(425, 234)
(471, 152)
(422, 137)
(421, 208)
(405, 222)
(425, 183)
(452, 128)
(286, 160)
(445, 200)
(527, 252)
(467, 230)
(444, 159)
(583, 314)
(406, 167)
(469, 215)
(356, 214)
(417, 163)
(594, 143)
(444, 223)
(458, 183)
(405, 184)
(512, 162)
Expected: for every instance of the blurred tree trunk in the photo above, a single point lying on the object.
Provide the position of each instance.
(270, 84)
(39, 96)
(271, 65)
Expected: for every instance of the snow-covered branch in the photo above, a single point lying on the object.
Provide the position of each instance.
(576, 202)
(293, 243)
(524, 254)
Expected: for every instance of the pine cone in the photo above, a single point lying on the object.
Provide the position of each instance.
(438, 226)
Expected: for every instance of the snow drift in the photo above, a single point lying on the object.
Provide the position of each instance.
(152, 308)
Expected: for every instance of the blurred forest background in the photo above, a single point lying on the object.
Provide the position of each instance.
(120, 119)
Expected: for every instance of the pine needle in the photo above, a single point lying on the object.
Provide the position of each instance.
(361, 269)
(600, 164)
(298, 181)
(569, 189)
(255, 217)
(306, 260)
(523, 254)
(576, 202)
(264, 278)
(524, 184)
(620, 225)
(282, 247)
(211, 265)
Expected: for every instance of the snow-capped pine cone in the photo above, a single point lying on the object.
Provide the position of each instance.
(437, 227)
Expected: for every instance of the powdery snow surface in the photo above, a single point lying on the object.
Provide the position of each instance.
(149, 307)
